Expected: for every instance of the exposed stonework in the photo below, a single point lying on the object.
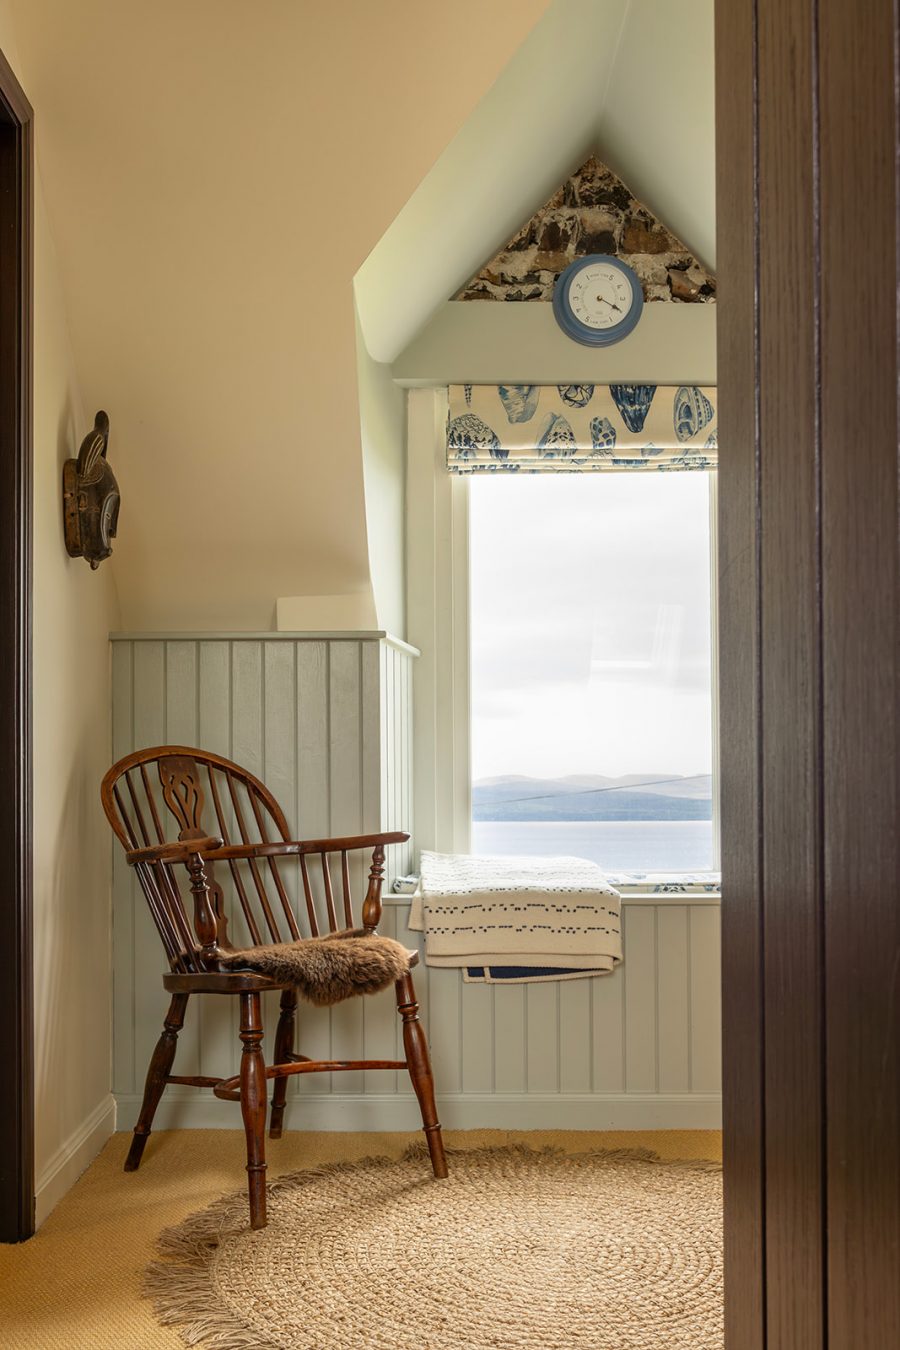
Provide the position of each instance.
(593, 212)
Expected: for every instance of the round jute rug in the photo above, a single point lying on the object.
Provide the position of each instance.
(540, 1250)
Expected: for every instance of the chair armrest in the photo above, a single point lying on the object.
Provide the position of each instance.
(177, 852)
(346, 844)
(296, 847)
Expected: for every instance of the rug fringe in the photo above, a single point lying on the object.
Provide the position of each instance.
(181, 1298)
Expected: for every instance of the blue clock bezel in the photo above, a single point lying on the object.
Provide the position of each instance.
(580, 332)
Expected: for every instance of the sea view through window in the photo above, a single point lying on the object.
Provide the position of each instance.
(591, 668)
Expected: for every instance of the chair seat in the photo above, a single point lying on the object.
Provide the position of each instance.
(242, 981)
(327, 970)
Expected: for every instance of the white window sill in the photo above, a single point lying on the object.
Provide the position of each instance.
(660, 884)
(659, 887)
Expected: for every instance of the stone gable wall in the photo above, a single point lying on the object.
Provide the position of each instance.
(593, 212)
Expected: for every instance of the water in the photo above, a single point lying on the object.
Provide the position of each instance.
(617, 846)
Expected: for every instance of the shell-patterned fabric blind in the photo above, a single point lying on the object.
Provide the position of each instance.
(560, 428)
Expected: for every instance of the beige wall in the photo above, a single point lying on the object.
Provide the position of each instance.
(73, 611)
(216, 173)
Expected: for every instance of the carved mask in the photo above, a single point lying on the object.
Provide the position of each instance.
(91, 497)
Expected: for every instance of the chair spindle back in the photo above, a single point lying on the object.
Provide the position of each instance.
(173, 794)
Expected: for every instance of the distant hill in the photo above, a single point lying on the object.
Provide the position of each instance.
(576, 797)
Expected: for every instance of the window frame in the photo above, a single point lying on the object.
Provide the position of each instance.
(438, 623)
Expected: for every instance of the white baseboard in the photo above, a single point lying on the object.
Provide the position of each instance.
(72, 1157)
(464, 1111)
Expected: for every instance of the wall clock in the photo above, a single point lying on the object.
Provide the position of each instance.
(597, 300)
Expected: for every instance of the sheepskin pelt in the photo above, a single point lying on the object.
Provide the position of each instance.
(326, 970)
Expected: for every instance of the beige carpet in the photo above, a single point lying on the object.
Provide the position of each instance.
(77, 1283)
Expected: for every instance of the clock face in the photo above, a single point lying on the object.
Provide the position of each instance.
(600, 296)
(598, 300)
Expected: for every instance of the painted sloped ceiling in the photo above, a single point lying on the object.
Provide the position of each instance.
(216, 172)
(657, 125)
(630, 80)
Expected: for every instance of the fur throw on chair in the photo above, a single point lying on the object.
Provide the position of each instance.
(326, 970)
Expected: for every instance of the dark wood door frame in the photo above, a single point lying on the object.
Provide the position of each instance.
(807, 134)
(16, 1001)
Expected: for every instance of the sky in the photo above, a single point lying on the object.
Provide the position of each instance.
(590, 624)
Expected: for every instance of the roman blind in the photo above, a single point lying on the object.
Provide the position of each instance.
(538, 428)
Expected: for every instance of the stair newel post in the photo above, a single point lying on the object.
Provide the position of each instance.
(205, 924)
(371, 913)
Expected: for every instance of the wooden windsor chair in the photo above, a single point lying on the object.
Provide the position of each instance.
(227, 818)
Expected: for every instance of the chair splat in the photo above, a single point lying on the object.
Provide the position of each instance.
(183, 794)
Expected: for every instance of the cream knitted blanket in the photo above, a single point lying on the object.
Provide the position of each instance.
(522, 911)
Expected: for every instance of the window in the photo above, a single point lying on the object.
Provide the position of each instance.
(592, 709)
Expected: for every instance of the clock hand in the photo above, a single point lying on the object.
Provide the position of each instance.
(603, 300)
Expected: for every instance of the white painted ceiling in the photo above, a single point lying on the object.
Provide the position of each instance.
(216, 174)
(629, 79)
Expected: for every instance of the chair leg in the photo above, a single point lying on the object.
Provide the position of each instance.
(253, 1105)
(418, 1062)
(160, 1067)
(284, 1045)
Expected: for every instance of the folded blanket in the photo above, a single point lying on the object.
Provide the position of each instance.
(547, 914)
(527, 974)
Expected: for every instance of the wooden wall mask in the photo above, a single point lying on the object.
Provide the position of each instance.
(91, 497)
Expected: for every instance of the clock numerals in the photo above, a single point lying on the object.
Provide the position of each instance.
(598, 300)
(598, 297)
